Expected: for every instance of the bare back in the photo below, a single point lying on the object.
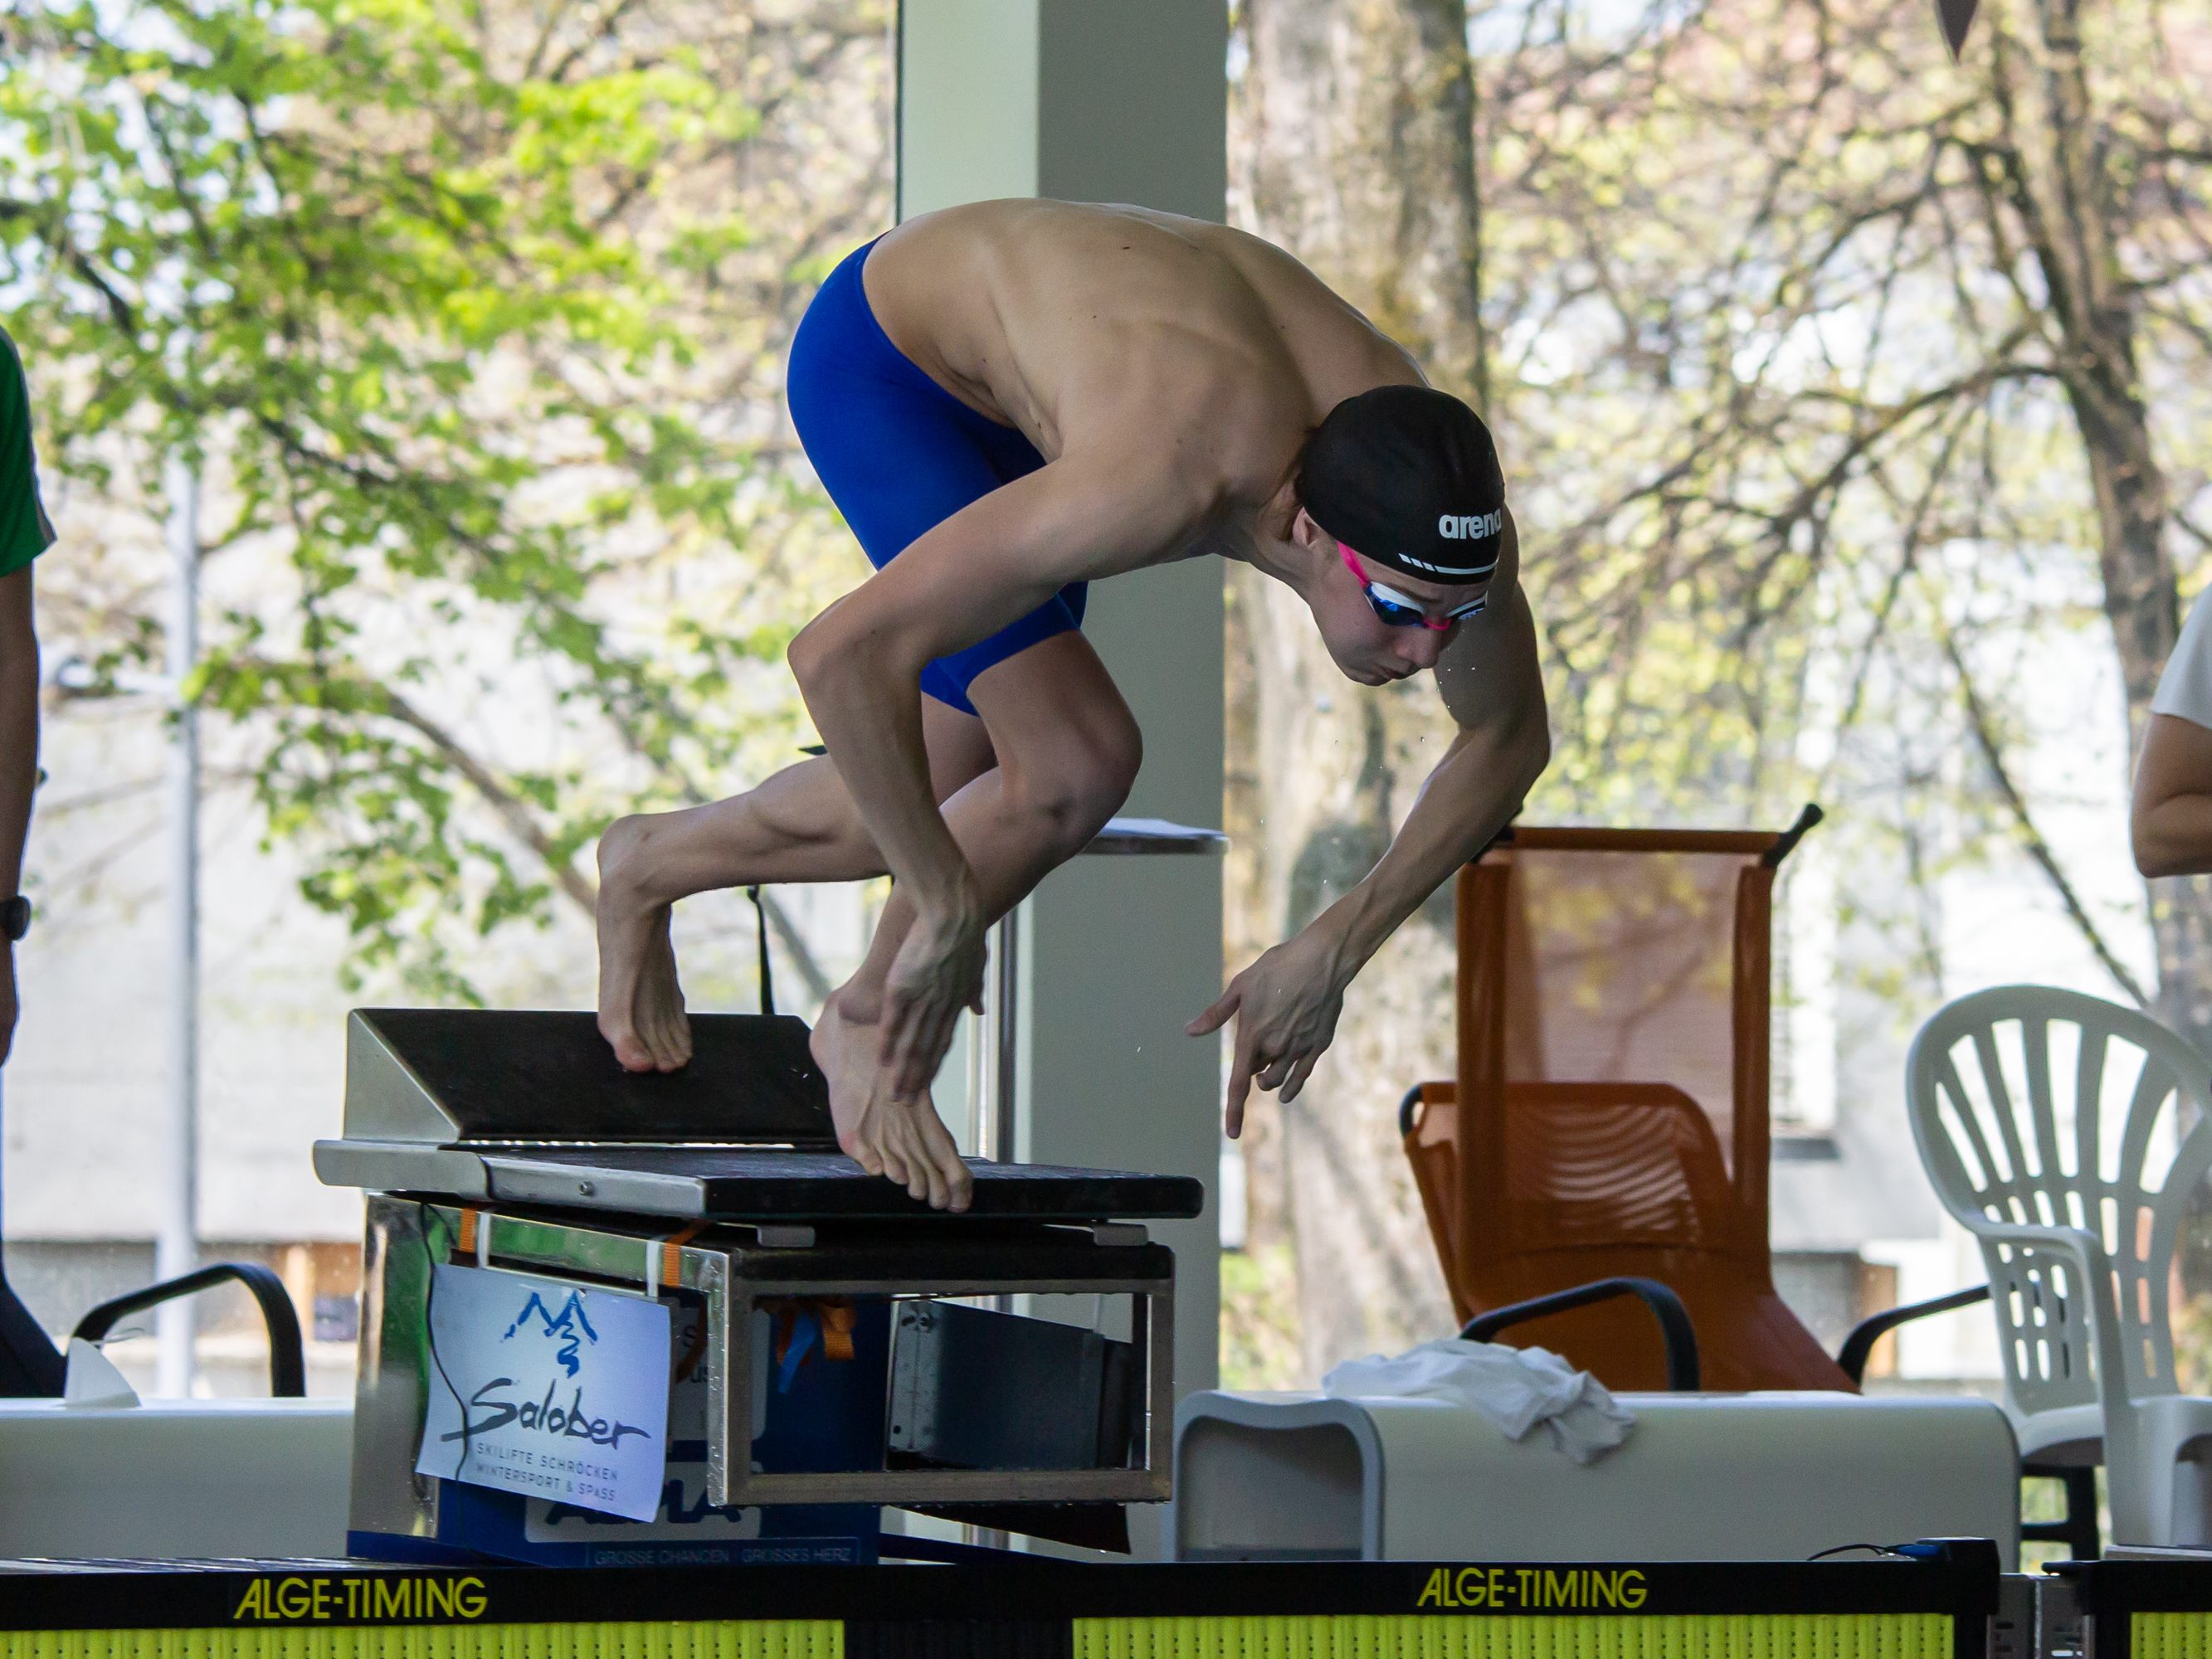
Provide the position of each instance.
(1088, 327)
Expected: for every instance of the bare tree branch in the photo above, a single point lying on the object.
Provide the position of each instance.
(512, 810)
(2032, 839)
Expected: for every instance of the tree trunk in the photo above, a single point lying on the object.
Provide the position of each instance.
(1453, 222)
(2062, 187)
(1352, 145)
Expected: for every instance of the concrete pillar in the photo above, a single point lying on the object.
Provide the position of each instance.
(1126, 101)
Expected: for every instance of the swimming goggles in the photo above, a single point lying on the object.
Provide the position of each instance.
(1394, 610)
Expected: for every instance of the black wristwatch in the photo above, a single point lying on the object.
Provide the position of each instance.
(15, 917)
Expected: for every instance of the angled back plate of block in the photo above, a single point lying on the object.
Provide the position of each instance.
(476, 1077)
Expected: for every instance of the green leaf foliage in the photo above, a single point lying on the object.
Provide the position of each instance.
(428, 295)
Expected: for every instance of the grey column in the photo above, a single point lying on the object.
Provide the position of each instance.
(1113, 100)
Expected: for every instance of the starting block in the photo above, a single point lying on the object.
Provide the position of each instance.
(828, 1343)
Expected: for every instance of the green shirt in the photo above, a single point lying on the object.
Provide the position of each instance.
(24, 531)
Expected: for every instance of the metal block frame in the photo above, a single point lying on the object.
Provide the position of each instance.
(733, 1267)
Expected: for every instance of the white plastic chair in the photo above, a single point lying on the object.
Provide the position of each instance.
(2052, 1125)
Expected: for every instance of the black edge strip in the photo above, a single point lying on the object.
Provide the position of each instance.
(893, 1595)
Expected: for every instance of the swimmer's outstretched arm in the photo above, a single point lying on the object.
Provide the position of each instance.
(859, 665)
(1287, 1004)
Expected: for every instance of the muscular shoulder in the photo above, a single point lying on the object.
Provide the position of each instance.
(1118, 328)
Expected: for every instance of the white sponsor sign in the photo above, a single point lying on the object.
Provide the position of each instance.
(541, 1388)
(685, 1515)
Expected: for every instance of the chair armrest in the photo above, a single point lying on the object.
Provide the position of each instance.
(1675, 1328)
(2072, 1241)
(288, 1364)
(1407, 1105)
(1858, 1346)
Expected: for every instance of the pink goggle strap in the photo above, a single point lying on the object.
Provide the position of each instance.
(1352, 563)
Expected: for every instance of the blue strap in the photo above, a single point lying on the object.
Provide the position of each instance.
(805, 1327)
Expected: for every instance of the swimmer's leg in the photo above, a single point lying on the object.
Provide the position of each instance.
(1068, 750)
(798, 825)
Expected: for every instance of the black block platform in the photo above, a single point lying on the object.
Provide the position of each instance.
(530, 1108)
(803, 1185)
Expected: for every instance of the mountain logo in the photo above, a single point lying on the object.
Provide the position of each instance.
(570, 1327)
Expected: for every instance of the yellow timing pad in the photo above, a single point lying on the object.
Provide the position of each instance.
(1521, 1636)
(720, 1639)
(1334, 1636)
(2170, 1635)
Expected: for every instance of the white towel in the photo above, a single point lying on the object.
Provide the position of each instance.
(1516, 1388)
(93, 1380)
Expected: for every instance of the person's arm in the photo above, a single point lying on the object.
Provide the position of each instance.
(19, 762)
(858, 666)
(2170, 821)
(1287, 1004)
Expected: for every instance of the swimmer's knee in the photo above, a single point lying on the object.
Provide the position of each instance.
(809, 651)
(1082, 781)
(1116, 753)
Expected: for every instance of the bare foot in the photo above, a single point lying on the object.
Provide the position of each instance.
(903, 1140)
(641, 1003)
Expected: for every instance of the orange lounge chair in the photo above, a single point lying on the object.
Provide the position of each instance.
(1610, 1118)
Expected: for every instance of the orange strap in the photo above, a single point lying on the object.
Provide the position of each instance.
(671, 1251)
(467, 1246)
(838, 1318)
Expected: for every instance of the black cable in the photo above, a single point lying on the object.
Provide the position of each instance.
(430, 1340)
(760, 932)
(1845, 1549)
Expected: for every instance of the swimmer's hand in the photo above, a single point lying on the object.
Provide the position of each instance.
(939, 971)
(1285, 1005)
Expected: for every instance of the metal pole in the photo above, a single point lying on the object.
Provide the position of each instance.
(991, 1059)
(1002, 1032)
(1007, 1048)
(176, 1246)
(975, 1031)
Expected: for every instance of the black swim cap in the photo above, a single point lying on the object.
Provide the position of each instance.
(1408, 476)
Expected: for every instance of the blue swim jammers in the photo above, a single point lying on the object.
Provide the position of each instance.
(899, 454)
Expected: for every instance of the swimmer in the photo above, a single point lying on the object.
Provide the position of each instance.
(1008, 401)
